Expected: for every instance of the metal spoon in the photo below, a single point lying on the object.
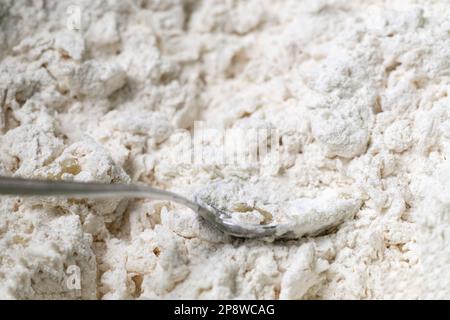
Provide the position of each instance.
(218, 218)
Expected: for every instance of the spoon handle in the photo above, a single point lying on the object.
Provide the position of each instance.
(33, 187)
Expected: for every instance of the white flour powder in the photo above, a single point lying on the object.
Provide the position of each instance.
(357, 91)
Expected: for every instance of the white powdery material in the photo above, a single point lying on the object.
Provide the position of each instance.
(357, 92)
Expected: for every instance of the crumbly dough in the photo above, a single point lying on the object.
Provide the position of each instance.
(357, 92)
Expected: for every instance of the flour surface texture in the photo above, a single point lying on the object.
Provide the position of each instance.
(357, 94)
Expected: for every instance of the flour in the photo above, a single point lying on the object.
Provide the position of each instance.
(353, 97)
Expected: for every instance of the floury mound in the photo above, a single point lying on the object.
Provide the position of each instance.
(357, 93)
